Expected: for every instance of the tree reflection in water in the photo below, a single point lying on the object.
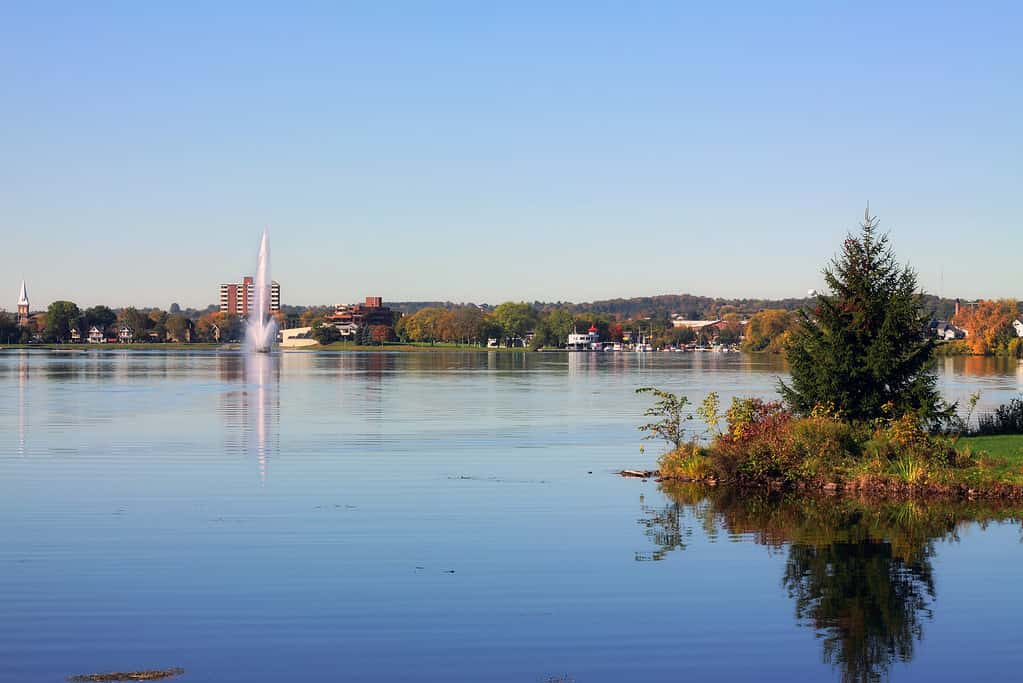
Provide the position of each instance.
(859, 572)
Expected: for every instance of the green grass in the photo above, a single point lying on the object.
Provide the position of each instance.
(170, 346)
(1005, 451)
(1008, 446)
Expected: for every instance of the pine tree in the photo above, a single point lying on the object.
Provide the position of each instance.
(865, 346)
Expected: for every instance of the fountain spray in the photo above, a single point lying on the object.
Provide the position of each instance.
(261, 328)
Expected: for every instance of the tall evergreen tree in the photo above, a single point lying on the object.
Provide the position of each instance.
(865, 344)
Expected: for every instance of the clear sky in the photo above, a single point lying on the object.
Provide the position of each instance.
(469, 152)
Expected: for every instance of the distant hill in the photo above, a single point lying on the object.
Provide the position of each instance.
(688, 305)
(407, 307)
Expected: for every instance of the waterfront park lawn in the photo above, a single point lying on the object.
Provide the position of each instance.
(1006, 448)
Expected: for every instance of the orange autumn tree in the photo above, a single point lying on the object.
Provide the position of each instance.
(381, 333)
(988, 324)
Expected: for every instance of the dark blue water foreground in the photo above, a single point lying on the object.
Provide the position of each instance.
(453, 517)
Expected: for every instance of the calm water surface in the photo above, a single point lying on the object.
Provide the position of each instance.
(454, 517)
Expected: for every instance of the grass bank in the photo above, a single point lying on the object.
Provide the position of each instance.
(1005, 452)
(170, 346)
(403, 347)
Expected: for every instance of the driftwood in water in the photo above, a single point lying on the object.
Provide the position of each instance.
(129, 675)
(641, 474)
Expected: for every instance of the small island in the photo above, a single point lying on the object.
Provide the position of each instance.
(861, 411)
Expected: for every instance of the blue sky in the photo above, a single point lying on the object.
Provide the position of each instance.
(469, 152)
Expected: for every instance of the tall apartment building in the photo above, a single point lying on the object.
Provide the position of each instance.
(238, 299)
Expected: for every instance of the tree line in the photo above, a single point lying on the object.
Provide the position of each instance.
(511, 323)
(63, 318)
(989, 326)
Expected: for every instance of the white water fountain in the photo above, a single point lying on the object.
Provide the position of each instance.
(261, 328)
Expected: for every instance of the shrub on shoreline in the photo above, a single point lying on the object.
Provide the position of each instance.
(1007, 419)
(763, 444)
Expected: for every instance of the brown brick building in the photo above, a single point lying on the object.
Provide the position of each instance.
(238, 299)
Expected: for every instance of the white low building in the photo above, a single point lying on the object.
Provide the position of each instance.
(590, 341)
(695, 325)
(297, 337)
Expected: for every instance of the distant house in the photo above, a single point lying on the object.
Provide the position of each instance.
(184, 338)
(96, 335)
(347, 329)
(76, 336)
(125, 335)
(1018, 326)
(946, 330)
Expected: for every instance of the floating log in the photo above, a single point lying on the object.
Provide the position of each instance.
(640, 474)
(151, 675)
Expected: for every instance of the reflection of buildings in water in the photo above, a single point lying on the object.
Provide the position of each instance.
(377, 367)
(250, 409)
(360, 377)
(22, 401)
(231, 367)
(859, 574)
(998, 379)
(505, 361)
(583, 362)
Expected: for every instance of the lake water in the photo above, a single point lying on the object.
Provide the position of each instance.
(455, 517)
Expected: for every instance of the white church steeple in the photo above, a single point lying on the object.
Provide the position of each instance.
(23, 305)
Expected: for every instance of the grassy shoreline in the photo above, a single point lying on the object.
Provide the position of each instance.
(404, 347)
(166, 346)
(992, 469)
(338, 346)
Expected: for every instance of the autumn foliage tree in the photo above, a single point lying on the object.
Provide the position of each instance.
(768, 330)
(217, 326)
(381, 334)
(988, 325)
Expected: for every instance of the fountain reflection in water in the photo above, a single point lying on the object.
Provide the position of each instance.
(250, 407)
(261, 328)
(262, 381)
